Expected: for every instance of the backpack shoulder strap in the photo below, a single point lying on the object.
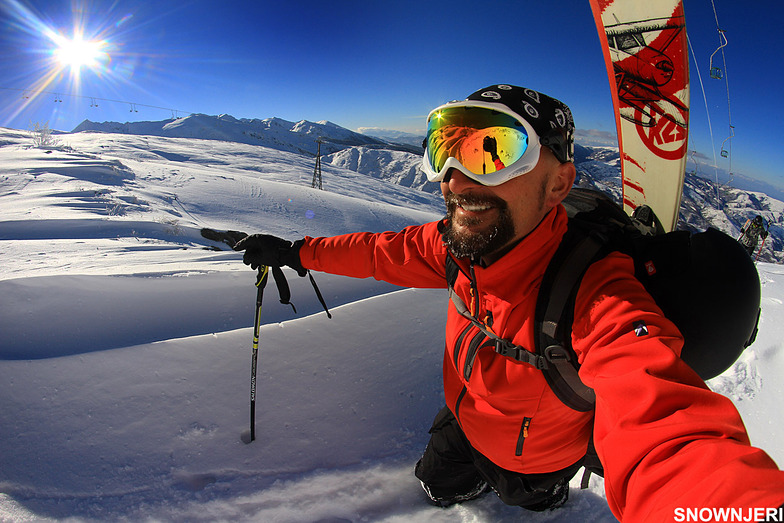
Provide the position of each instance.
(596, 227)
(555, 311)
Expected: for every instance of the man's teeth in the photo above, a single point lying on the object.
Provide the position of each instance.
(475, 207)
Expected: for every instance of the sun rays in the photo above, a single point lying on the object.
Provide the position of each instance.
(59, 59)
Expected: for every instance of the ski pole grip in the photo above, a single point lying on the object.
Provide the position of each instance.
(261, 278)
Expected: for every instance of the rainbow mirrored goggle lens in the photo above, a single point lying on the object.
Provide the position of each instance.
(485, 144)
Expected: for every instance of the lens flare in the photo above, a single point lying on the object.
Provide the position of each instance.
(77, 53)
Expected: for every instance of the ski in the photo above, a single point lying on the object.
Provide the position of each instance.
(645, 51)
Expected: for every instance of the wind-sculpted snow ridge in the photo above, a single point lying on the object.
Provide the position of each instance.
(128, 310)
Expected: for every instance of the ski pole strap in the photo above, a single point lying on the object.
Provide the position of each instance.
(318, 295)
(284, 292)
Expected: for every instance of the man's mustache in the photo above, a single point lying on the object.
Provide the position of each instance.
(454, 200)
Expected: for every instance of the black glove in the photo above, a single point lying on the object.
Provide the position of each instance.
(490, 145)
(264, 249)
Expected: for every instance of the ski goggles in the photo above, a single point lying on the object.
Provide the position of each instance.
(485, 141)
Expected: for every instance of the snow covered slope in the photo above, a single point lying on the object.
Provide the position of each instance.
(125, 342)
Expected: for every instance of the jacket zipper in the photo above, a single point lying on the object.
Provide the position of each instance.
(474, 292)
(457, 403)
(459, 343)
(473, 349)
(523, 434)
(479, 339)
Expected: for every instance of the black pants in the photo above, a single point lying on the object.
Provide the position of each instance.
(450, 466)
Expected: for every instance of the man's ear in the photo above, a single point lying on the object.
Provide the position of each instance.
(560, 183)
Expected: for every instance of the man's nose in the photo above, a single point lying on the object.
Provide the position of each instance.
(458, 182)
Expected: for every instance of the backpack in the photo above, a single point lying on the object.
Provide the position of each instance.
(705, 283)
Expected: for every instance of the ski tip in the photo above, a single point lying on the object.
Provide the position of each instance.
(245, 436)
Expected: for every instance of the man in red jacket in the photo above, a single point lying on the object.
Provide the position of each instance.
(504, 158)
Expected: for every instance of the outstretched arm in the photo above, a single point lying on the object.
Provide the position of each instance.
(666, 441)
(413, 257)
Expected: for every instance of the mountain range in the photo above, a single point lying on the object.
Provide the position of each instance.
(297, 137)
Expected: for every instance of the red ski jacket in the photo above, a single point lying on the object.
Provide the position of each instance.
(665, 440)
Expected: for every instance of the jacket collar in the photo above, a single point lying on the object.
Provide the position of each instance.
(540, 242)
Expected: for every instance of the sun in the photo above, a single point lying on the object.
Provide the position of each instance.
(77, 53)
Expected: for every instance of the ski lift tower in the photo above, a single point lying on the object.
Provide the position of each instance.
(317, 170)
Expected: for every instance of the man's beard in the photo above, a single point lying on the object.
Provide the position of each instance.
(476, 244)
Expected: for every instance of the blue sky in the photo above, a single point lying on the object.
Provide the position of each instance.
(362, 63)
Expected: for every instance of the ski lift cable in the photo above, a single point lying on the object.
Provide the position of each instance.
(707, 113)
(28, 92)
(723, 36)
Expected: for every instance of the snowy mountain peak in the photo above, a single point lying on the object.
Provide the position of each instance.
(273, 122)
(327, 123)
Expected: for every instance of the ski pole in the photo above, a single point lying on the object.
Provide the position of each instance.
(261, 282)
(761, 247)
